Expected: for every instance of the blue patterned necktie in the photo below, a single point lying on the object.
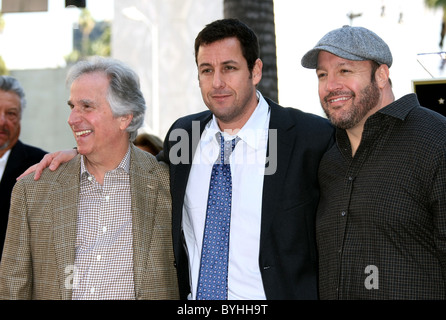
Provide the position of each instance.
(213, 278)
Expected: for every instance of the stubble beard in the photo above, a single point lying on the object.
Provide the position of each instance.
(368, 99)
(232, 113)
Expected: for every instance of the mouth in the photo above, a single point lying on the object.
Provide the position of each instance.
(4, 136)
(337, 99)
(83, 133)
(220, 96)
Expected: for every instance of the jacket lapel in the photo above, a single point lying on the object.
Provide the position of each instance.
(282, 150)
(65, 210)
(179, 173)
(142, 187)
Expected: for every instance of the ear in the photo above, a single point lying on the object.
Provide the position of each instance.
(382, 76)
(257, 72)
(125, 121)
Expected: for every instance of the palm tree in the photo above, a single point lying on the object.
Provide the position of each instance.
(439, 4)
(92, 38)
(86, 24)
(259, 15)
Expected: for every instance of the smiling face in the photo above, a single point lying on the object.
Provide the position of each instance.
(9, 120)
(97, 132)
(227, 86)
(346, 90)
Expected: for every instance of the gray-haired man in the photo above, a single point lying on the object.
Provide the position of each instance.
(15, 156)
(99, 227)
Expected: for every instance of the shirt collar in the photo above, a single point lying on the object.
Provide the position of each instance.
(5, 157)
(254, 130)
(398, 109)
(401, 107)
(123, 165)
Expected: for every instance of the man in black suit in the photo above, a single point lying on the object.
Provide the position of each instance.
(15, 157)
(272, 251)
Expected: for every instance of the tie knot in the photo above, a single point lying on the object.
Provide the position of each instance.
(226, 148)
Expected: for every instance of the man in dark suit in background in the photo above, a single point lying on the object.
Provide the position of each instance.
(272, 251)
(15, 157)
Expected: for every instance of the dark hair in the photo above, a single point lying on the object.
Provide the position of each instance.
(149, 142)
(228, 28)
(375, 66)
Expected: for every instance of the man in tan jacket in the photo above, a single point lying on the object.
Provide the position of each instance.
(100, 226)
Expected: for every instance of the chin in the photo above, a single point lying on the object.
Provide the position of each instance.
(82, 150)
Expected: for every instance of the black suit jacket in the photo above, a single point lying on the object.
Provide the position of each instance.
(22, 156)
(288, 254)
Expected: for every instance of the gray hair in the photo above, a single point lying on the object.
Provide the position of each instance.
(11, 84)
(124, 94)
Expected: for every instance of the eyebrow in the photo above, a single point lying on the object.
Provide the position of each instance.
(340, 64)
(207, 64)
(82, 101)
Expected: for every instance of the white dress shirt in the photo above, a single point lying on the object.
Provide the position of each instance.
(3, 161)
(247, 168)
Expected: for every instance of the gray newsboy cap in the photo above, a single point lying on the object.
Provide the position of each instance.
(351, 43)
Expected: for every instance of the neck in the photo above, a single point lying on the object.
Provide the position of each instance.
(234, 125)
(7, 146)
(355, 133)
(98, 166)
(355, 139)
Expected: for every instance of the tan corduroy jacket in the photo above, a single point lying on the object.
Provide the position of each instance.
(39, 252)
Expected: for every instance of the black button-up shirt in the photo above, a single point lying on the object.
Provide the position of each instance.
(381, 222)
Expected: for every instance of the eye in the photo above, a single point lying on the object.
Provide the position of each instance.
(12, 115)
(321, 75)
(205, 71)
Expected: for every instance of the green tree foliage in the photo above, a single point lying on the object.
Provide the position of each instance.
(3, 69)
(435, 3)
(92, 38)
(439, 4)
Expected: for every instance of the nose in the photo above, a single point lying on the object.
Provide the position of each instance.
(332, 83)
(74, 117)
(217, 80)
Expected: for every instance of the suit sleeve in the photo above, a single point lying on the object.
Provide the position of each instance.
(16, 267)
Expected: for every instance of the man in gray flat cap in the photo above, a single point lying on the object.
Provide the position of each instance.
(381, 220)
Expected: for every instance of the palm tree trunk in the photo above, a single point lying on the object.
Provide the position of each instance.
(259, 15)
(443, 27)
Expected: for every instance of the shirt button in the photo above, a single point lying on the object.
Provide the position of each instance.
(98, 257)
(90, 178)
(92, 290)
(104, 229)
(343, 213)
